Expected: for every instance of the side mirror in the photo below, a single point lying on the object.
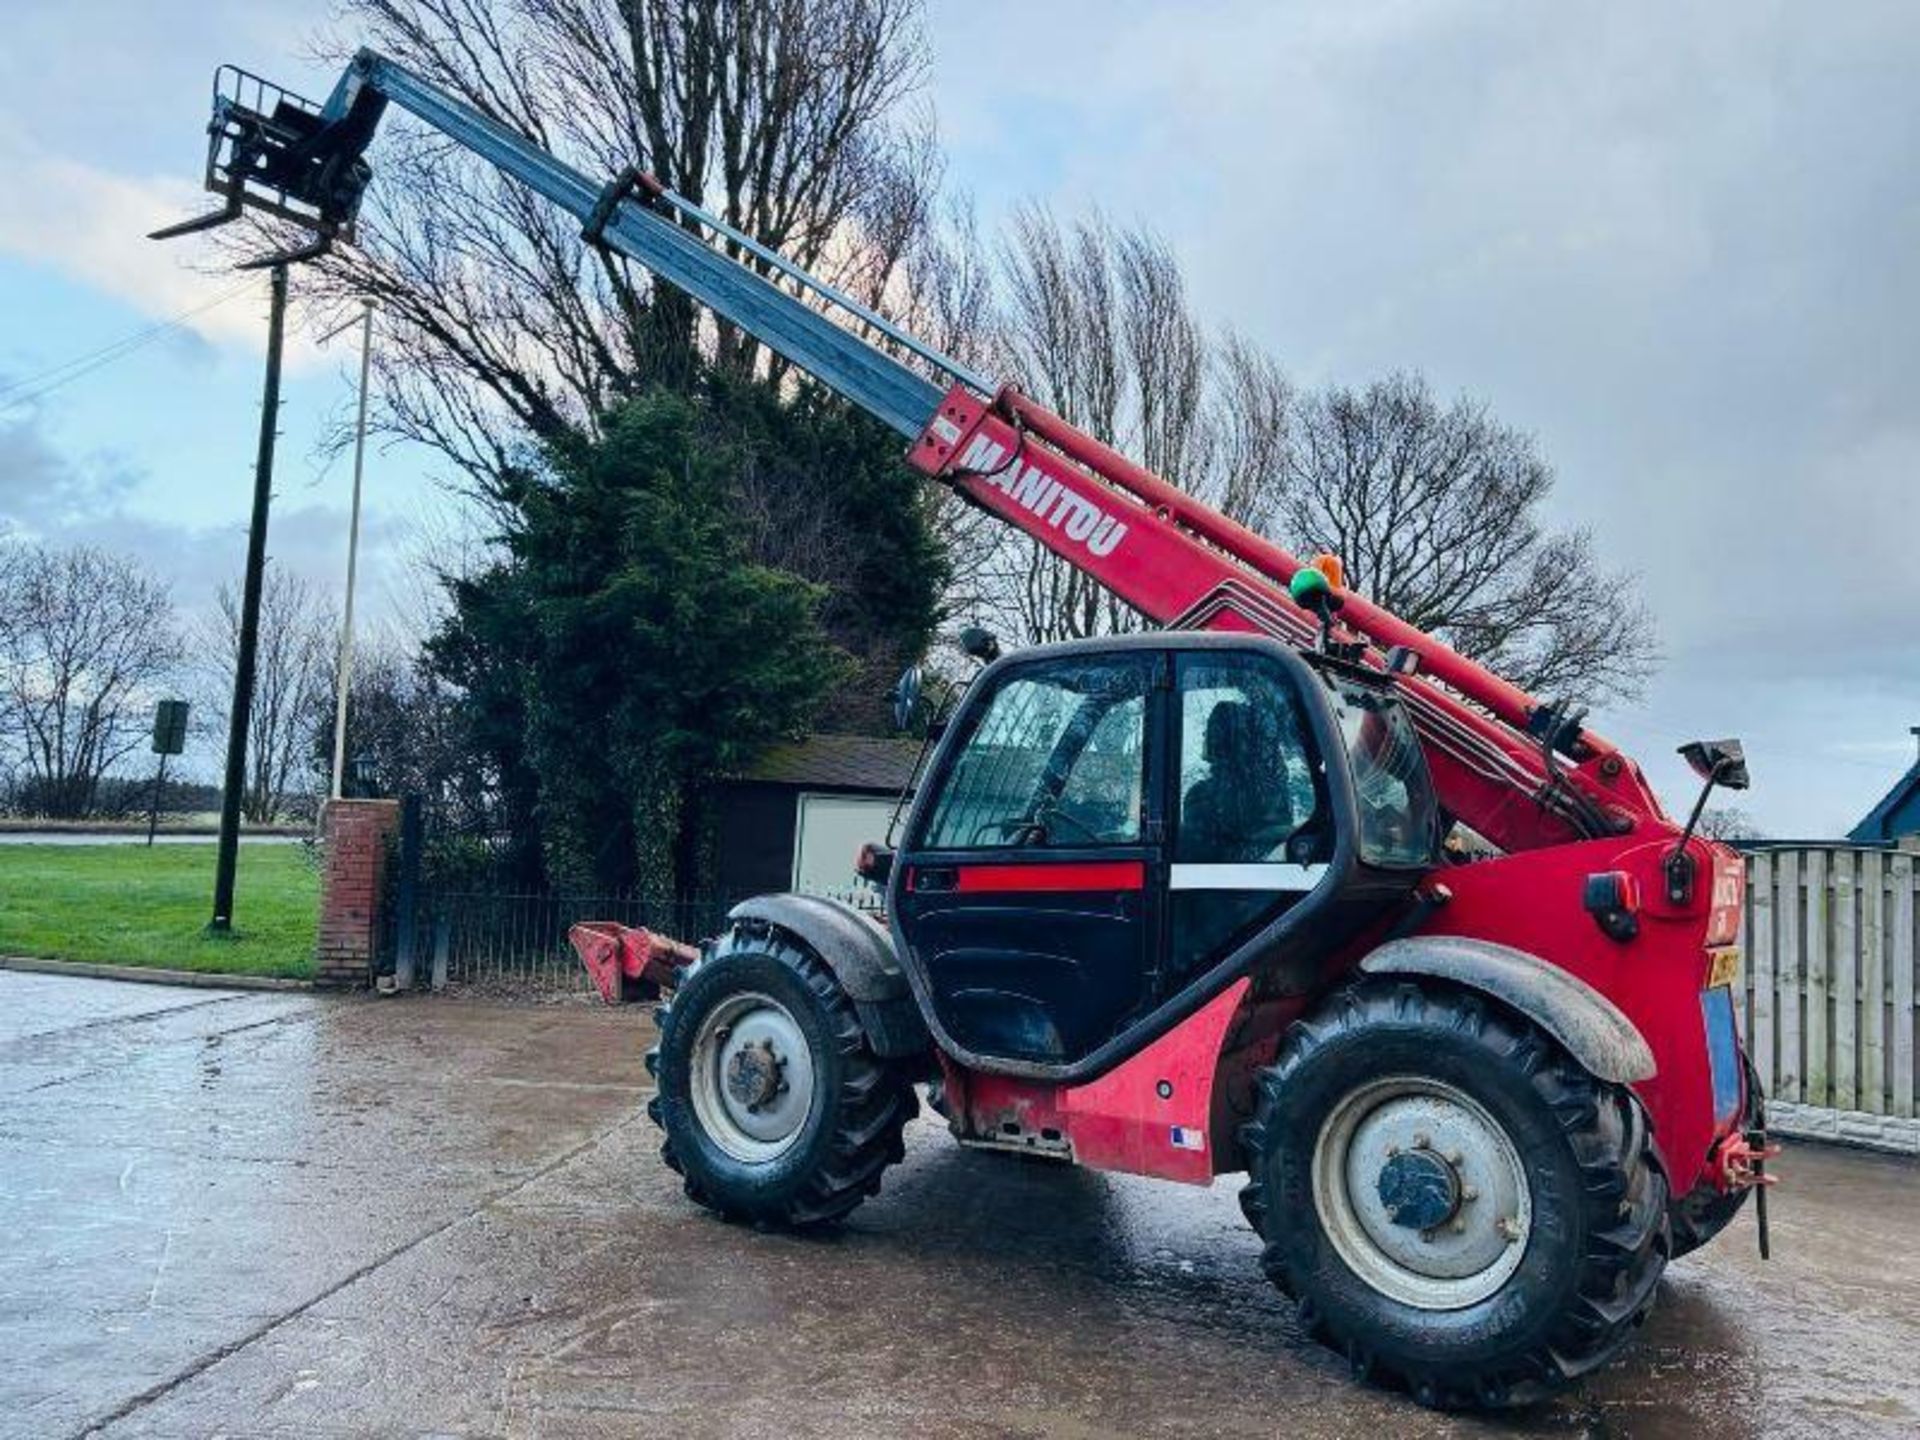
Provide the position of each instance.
(1717, 762)
(1720, 762)
(906, 697)
(980, 644)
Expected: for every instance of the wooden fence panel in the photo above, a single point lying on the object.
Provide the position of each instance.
(1901, 953)
(1790, 924)
(1843, 904)
(1874, 1090)
(1816, 1075)
(1830, 950)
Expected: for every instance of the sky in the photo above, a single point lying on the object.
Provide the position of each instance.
(1680, 245)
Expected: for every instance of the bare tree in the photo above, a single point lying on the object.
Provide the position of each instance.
(85, 639)
(12, 757)
(292, 685)
(784, 116)
(1094, 322)
(1730, 822)
(407, 725)
(1436, 512)
(1249, 417)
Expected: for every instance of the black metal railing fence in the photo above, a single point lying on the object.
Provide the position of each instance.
(459, 918)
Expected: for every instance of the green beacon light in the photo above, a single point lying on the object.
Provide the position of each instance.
(1309, 588)
(1315, 587)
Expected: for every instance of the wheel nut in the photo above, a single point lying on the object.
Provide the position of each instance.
(1509, 1229)
(1459, 1226)
(1469, 1194)
(1454, 1158)
(1422, 1141)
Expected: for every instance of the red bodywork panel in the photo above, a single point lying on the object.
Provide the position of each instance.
(1655, 978)
(1122, 1121)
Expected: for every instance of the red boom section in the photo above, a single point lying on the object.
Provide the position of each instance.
(1185, 566)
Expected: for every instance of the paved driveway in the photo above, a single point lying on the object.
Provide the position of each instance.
(272, 1214)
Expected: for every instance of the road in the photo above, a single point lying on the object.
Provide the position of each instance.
(283, 1215)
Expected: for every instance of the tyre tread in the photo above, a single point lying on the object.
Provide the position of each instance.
(875, 1100)
(1623, 1193)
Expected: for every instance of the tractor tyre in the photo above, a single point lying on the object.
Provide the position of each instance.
(1456, 1204)
(775, 1108)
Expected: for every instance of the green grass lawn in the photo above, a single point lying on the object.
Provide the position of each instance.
(128, 905)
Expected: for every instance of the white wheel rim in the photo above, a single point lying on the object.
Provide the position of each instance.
(751, 1080)
(1407, 1135)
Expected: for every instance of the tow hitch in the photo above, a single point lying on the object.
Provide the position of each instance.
(1739, 1162)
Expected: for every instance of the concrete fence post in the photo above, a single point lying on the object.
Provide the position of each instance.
(354, 834)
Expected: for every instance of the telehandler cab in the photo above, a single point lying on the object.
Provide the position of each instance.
(1179, 903)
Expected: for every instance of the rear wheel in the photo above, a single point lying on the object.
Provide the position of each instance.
(774, 1106)
(1456, 1204)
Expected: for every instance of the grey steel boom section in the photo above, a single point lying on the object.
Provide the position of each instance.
(842, 360)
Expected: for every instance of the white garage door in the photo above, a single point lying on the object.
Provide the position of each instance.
(828, 834)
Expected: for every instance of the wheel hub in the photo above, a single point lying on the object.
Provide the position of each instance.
(1419, 1189)
(752, 1077)
(1422, 1192)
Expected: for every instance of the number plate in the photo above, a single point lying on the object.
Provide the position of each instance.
(1723, 966)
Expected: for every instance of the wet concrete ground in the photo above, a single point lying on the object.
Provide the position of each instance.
(278, 1215)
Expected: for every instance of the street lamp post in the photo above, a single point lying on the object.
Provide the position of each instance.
(353, 548)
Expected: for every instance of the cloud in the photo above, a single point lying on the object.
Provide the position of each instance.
(90, 224)
(42, 489)
(49, 497)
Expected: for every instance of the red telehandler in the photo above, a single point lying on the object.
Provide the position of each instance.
(1179, 903)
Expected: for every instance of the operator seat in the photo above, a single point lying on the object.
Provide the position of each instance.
(1239, 811)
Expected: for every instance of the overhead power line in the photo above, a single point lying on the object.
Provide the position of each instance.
(43, 382)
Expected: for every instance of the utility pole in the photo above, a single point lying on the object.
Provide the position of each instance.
(353, 550)
(249, 617)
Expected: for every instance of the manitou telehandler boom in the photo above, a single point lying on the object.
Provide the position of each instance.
(1178, 903)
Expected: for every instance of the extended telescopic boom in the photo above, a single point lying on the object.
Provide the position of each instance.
(1520, 772)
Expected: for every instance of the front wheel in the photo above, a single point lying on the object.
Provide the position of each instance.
(774, 1105)
(1456, 1204)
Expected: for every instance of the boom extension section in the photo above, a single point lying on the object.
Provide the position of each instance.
(1521, 772)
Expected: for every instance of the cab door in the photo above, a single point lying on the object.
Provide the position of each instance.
(1253, 828)
(1029, 887)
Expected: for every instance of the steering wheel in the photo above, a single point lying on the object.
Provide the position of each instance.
(1004, 828)
(1052, 812)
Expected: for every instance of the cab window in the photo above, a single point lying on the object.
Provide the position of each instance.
(1246, 774)
(1399, 820)
(1056, 759)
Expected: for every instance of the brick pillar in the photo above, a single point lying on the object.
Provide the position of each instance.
(354, 833)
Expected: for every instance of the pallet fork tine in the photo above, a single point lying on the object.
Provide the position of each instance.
(194, 224)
